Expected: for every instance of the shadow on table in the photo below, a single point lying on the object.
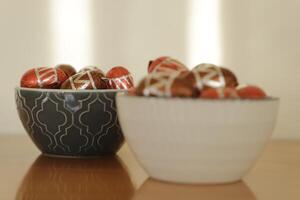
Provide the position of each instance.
(62, 178)
(157, 190)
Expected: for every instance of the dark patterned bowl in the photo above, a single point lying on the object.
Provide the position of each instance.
(70, 123)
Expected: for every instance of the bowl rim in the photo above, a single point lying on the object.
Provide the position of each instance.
(267, 99)
(18, 88)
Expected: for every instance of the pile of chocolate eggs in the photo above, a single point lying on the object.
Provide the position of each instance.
(66, 77)
(168, 77)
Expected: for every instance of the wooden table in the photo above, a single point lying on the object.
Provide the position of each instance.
(24, 174)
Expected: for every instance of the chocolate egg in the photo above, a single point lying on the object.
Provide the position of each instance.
(91, 79)
(183, 88)
(43, 77)
(166, 64)
(211, 76)
(251, 92)
(68, 69)
(119, 78)
(155, 84)
(219, 93)
(165, 84)
(88, 68)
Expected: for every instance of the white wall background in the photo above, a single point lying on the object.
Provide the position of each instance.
(258, 39)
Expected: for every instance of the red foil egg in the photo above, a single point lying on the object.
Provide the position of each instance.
(166, 64)
(91, 79)
(119, 78)
(155, 84)
(68, 69)
(251, 92)
(211, 76)
(219, 93)
(165, 84)
(43, 77)
(89, 68)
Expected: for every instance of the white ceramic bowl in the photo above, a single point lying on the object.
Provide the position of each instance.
(196, 141)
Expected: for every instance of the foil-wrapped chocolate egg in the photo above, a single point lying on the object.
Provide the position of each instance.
(91, 79)
(165, 84)
(119, 78)
(68, 69)
(183, 87)
(251, 92)
(88, 68)
(166, 64)
(43, 77)
(219, 93)
(155, 84)
(211, 76)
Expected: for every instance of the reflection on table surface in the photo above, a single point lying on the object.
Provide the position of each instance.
(108, 178)
(157, 190)
(25, 175)
(62, 178)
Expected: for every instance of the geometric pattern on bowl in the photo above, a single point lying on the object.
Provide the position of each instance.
(69, 123)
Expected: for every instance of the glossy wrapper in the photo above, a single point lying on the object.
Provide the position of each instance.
(206, 76)
(119, 78)
(219, 93)
(124, 82)
(68, 69)
(251, 92)
(165, 84)
(91, 79)
(166, 64)
(93, 68)
(156, 84)
(43, 77)
(182, 87)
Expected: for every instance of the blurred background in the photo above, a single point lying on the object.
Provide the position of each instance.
(257, 39)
